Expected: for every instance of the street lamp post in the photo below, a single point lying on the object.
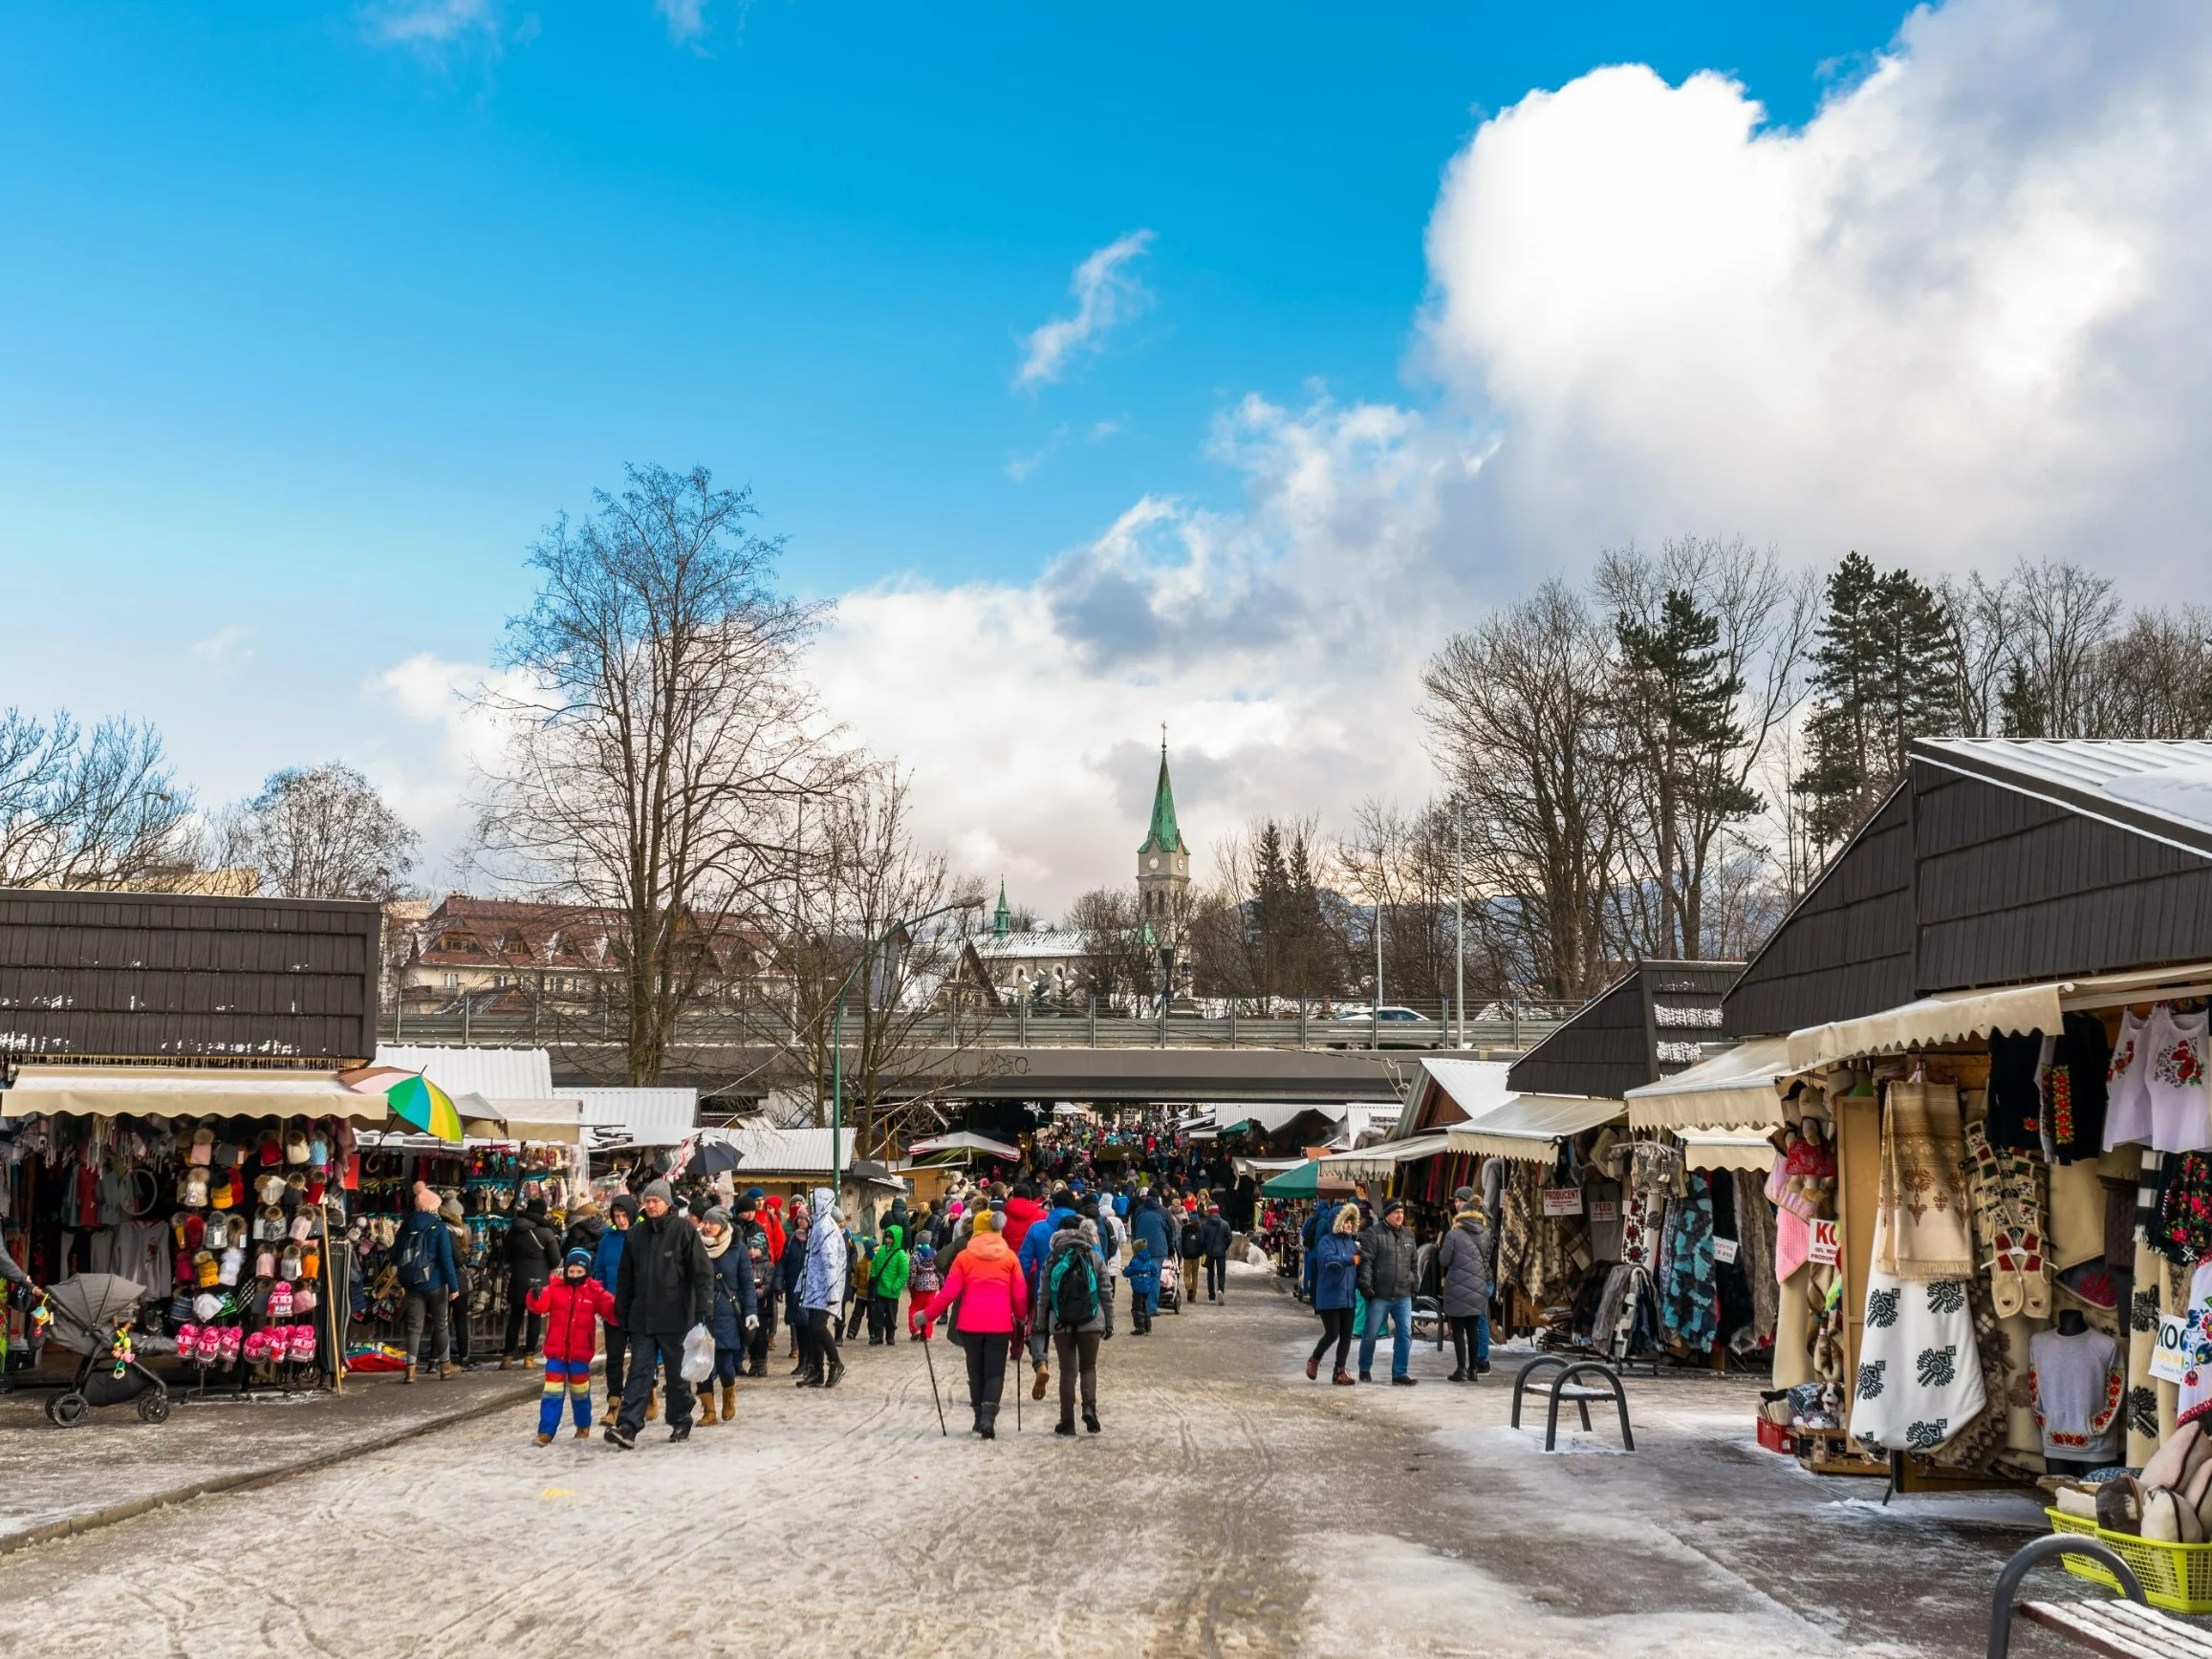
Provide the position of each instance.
(838, 1037)
(1460, 917)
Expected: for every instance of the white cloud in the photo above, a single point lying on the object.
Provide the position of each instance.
(429, 22)
(1958, 315)
(1956, 318)
(686, 20)
(233, 642)
(1106, 294)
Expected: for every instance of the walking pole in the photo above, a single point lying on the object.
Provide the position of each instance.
(1023, 1334)
(933, 1394)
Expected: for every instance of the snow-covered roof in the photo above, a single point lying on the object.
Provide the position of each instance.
(494, 1073)
(648, 1117)
(2145, 783)
(783, 1151)
(1047, 943)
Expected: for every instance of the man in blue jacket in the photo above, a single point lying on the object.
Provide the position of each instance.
(422, 1254)
(607, 1269)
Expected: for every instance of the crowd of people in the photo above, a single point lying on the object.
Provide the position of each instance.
(1363, 1267)
(1021, 1272)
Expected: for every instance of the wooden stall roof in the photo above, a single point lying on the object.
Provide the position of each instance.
(178, 977)
(1997, 862)
(1649, 1024)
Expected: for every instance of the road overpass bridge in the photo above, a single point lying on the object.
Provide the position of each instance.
(1129, 1061)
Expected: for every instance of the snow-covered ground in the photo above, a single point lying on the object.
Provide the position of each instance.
(1231, 1507)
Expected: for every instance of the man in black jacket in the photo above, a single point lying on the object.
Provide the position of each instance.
(666, 1288)
(534, 1249)
(1386, 1279)
(1213, 1238)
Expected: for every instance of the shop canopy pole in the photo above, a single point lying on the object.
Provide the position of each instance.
(330, 1304)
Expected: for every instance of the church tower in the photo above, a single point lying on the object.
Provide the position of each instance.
(1163, 875)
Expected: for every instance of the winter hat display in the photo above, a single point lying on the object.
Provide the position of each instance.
(195, 1195)
(232, 1264)
(296, 1147)
(280, 1300)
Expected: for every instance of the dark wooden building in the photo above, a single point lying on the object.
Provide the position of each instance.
(1998, 861)
(1649, 1024)
(177, 979)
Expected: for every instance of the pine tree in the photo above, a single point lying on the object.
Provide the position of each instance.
(1678, 716)
(1879, 680)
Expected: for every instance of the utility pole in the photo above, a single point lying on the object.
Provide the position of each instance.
(1460, 917)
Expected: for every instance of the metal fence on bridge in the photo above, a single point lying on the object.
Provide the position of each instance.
(1497, 1025)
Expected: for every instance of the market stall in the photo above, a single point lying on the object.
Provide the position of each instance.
(1995, 994)
(219, 1191)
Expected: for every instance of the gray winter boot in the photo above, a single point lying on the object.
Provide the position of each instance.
(987, 1418)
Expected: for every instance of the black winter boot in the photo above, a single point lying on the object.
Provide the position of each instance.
(988, 1417)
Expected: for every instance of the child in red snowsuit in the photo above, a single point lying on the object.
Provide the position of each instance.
(572, 1302)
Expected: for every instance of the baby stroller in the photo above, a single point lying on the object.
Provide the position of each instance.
(87, 1312)
(1171, 1286)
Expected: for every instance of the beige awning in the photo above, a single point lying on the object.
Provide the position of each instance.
(1379, 1163)
(1727, 1149)
(1531, 1125)
(1740, 1087)
(556, 1121)
(1963, 1016)
(162, 1091)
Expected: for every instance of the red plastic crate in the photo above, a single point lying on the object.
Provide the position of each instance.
(1777, 1438)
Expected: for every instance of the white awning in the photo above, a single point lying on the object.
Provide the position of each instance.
(157, 1091)
(965, 1141)
(1378, 1163)
(1735, 1089)
(1963, 1016)
(1529, 1126)
(1727, 1149)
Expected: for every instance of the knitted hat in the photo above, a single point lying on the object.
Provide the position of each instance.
(717, 1216)
(428, 1198)
(578, 1257)
(1393, 1206)
(450, 1209)
(661, 1190)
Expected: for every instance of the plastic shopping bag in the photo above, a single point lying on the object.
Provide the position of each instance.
(698, 1355)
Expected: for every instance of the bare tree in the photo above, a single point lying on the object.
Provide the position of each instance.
(2063, 619)
(99, 809)
(860, 876)
(661, 739)
(1980, 618)
(319, 832)
(1120, 967)
(1519, 720)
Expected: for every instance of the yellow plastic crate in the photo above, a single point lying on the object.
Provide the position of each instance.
(2177, 1577)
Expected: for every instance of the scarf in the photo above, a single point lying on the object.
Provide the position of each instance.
(1755, 1220)
(1920, 1227)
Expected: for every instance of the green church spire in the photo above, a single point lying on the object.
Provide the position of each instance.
(1002, 921)
(1164, 835)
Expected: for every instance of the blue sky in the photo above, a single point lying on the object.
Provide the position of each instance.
(311, 315)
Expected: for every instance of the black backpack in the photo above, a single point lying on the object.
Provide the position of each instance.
(412, 1259)
(1074, 1295)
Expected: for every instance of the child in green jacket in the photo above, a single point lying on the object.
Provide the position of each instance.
(893, 1268)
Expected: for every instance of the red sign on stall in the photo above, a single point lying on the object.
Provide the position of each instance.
(1825, 1249)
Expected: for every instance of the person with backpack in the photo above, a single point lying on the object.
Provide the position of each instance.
(423, 1257)
(534, 1249)
(572, 1302)
(1213, 1241)
(1035, 1245)
(1074, 1311)
(924, 1285)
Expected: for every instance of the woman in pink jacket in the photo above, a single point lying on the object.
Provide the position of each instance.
(987, 1283)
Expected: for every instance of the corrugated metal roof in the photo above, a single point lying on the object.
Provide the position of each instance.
(654, 1111)
(772, 1151)
(495, 1073)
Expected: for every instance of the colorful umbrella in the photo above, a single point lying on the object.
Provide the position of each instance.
(413, 1098)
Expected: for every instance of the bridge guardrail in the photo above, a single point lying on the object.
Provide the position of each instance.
(1076, 1030)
